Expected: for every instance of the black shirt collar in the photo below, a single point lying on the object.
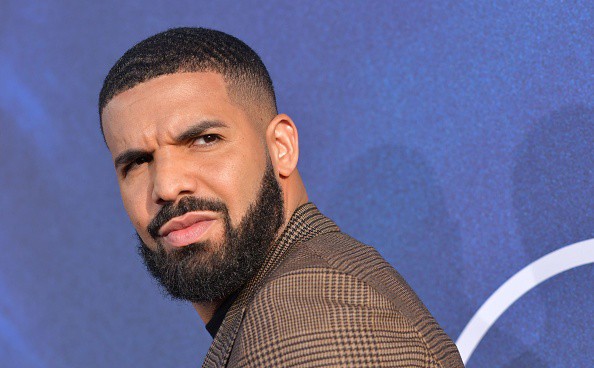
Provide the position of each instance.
(219, 315)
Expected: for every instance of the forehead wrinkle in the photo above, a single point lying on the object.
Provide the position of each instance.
(163, 116)
(154, 131)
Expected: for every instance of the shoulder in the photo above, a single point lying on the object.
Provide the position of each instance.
(338, 299)
(324, 317)
(339, 253)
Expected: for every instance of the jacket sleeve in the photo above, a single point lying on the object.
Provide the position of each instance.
(320, 317)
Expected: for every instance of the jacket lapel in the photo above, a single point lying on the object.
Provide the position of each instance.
(305, 223)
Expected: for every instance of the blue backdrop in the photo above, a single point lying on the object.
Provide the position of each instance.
(455, 137)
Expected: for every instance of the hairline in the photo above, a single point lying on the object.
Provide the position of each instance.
(234, 87)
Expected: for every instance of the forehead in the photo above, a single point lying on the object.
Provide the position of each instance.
(166, 104)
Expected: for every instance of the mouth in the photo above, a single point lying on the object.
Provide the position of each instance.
(187, 229)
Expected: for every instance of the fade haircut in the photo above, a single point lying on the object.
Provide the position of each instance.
(181, 50)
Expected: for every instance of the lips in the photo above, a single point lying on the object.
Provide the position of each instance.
(187, 229)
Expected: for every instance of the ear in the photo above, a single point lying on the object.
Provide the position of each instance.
(283, 144)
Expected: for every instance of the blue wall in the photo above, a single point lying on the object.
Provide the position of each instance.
(456, 138)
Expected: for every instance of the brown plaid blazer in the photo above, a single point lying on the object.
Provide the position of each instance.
(322, 299)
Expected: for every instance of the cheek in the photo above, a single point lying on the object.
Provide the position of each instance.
(236, 181)
(135, 203)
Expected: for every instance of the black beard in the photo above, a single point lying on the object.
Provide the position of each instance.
(203, 271)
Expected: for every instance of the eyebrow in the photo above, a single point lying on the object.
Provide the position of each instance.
(199, 129)
(192, 132)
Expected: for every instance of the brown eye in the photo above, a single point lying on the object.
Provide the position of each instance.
(137, 162)
(141, 160)
(206, 140)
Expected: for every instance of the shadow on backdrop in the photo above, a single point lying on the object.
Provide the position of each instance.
(390, 197)
(553, 199)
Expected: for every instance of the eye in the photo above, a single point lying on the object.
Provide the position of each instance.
(206, 140)
(137, 162)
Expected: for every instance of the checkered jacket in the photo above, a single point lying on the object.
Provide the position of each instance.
(322, 299)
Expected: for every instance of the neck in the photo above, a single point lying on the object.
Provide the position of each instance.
(207, 310)
(294, 194)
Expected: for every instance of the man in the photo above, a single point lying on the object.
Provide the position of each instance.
(207, 172)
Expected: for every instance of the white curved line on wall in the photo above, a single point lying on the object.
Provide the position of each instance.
(544, 268)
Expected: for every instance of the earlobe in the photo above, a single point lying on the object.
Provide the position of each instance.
(283, 144)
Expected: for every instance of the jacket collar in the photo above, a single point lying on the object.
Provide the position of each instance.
(306, 223)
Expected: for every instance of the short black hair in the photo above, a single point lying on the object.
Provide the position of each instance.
(190, 49)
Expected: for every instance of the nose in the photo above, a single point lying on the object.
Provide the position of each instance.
(172, 179)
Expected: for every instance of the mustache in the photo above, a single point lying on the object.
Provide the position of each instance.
(185, 205)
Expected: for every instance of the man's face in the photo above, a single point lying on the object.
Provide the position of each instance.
(196, 181)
